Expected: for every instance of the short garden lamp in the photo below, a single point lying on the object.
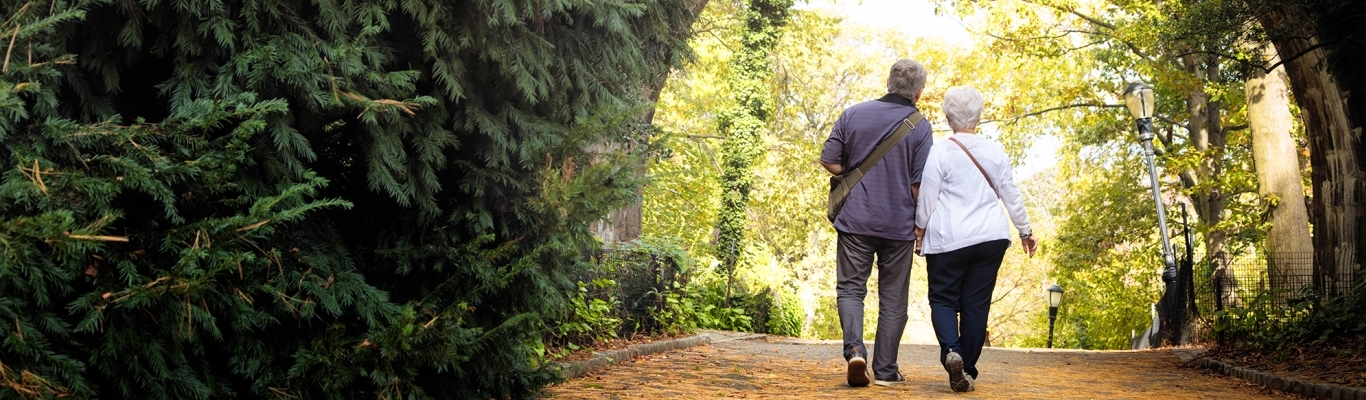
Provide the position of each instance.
(1054, 299)
(1138, 97)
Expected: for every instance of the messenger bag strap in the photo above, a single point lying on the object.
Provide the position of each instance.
(882, 148)
(979, 166)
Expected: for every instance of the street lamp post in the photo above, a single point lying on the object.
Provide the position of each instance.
(1138, 97)
(1054, 299)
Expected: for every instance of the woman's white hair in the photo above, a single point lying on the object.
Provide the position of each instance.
(963, 108)
(907, 78)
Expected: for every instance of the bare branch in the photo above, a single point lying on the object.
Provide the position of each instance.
(1061, 35)
(1166, 139)
(1298, 55)
(1168, 120)
(1214, 53)
(1188, 178)
(1058, 108)
(1073, 11)
(1265, 68)
(1088, 18)
(1097, 22)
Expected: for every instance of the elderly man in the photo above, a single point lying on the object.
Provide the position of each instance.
(878, 219)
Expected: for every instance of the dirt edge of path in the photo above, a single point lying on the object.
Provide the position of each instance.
(609, 358)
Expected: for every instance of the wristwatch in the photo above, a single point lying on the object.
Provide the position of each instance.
(1024, 236)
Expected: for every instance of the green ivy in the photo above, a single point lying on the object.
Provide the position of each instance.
(743, 121)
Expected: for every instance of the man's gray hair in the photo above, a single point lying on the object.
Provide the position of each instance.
(963, 108)
(907, 78)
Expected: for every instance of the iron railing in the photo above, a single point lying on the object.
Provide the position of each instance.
(1268, 283)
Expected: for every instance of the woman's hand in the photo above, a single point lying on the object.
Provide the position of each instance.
(919, 239)
(1030, 244)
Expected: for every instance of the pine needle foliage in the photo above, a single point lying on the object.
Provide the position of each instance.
(328, 199)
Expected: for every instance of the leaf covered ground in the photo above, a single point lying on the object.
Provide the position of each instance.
(1341, 361)
(794, 368)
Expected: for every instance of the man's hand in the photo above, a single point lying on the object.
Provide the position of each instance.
(1030, 245)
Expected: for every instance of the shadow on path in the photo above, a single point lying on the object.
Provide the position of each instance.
(804, 369)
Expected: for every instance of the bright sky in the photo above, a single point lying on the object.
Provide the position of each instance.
(917, 19)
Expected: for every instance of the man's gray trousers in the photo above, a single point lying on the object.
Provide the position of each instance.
(854, 263)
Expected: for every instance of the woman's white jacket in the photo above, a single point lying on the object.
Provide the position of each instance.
(957, 208)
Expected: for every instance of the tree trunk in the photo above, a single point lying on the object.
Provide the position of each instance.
(1205, 129)
(624, 224)
(1334, 145)
(1207, 137)
(1289, 248)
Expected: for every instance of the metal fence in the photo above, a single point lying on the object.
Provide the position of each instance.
(1267, 283)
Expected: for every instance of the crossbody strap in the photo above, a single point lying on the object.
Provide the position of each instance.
(979, 166)
(882, 148)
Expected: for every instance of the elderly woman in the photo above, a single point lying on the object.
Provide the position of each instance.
(963, 234)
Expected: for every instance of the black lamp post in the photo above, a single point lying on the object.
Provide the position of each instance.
(1054, 298)
(1139, 99)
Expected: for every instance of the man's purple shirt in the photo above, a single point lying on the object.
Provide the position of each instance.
(881, 205)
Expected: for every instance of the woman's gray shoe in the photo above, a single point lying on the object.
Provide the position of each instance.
(859, 373)
(957, 379)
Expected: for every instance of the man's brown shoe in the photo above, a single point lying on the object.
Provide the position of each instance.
(859, 373)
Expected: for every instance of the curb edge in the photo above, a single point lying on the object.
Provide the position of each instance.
(1283, 384)
(609, 358)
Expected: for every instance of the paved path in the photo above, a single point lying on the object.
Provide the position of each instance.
(794, 368)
